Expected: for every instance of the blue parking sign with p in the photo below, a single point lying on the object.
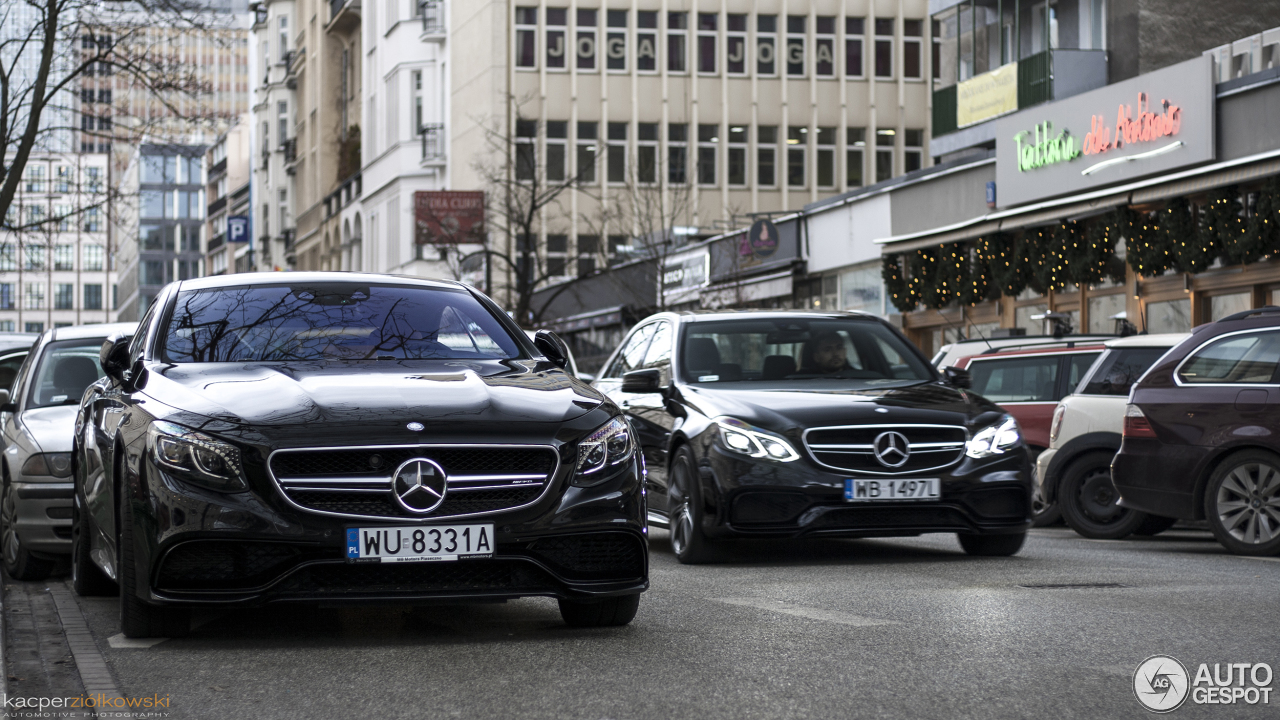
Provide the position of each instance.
(238, 229)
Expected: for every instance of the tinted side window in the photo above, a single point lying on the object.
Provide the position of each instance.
(1120, 369)
(1250, 358)
(1026, 379)
(138, 345)
(1078, 366)
(632, 354)
(9, 366)
(659, 353)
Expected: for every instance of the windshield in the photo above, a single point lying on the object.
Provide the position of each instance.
(332, 321)
(798, 350)
(66, 368)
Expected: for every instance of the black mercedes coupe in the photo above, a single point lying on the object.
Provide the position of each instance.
(344, 438)
(774, 424)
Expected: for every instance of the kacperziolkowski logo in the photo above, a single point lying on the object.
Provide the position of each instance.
(1161, 683)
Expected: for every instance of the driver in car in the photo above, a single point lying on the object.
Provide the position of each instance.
(825, 354)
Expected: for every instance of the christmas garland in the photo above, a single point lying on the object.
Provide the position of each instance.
(1178, 236)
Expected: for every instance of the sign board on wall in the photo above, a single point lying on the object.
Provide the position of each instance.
(684, 274)
(238, 229)
(444, 217)
(988, 95)
(1150, 124)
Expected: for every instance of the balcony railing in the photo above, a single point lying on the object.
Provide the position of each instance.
(290, 149)
(433, 142)
(343, 15)
(432, 17)
(287, 237)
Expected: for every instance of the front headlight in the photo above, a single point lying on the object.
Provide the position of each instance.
(753, 442)
(197, 458)
(610, 445)
(995, 439)
(49, 464)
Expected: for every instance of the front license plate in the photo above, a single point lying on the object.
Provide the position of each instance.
(436, 543)
(857, 490)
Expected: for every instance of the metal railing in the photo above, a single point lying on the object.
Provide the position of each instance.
(290, 149)
(433, 141)
(432, 16)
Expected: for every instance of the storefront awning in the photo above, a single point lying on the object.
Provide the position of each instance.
(1177, 184)
(747, 290)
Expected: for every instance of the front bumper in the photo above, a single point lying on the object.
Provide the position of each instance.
(205, 548)
(765, 499)
(42, 516)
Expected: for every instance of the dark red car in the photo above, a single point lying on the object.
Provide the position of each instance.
(1202, 433)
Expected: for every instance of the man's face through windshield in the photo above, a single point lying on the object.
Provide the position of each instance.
(830, 355)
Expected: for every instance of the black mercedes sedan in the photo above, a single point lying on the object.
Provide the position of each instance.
(345, 438)
(785, 424)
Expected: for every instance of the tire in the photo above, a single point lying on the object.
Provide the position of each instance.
(609, 612)
(137, 618)
(87, 579)
(1043, 513)
(1242, 503)
(1154, 525)
(19, 563)
(1089, 500)
(992, 545)
(685, 515)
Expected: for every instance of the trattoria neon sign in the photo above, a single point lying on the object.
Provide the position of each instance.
(1040, 147)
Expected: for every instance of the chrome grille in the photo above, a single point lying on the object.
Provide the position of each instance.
(357, 482)
(851, 448)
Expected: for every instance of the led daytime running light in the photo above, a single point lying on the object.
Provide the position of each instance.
(995, 439)
(753, 442)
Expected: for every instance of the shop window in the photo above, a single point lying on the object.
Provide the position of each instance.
(854, 28)
(1101, 308)
(677, 42)
(855, 145)
(585, 42)
(766, 44)
(707, 23)
(735, 56)
(647, 41)
(766, 155)
(557, 152)
(1170, 316)
(737, 155)
(557, 20)
(795, 45)
(527, 37)
(615, 42)
(861, 289)
(824, 46)
(797, 144)
(884, 48)
(1221, 306)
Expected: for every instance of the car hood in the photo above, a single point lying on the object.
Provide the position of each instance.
(339, 399)
(52, 428)
(783, 407)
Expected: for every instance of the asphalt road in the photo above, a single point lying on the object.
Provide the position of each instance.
(903, 628)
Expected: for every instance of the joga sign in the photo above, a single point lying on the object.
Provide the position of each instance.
(1150, 124)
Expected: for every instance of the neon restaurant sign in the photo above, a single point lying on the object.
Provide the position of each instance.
(1040, 147)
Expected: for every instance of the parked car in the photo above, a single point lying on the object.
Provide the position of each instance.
(951, 353)
(1074, 473)
(1202, 433)
(773, 424)
(343, 437)
(1028, 382)
(37, 423)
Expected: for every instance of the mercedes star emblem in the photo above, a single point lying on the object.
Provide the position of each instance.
(892, 449)
(420, 485)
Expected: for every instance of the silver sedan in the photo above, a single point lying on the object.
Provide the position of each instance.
(37, 426)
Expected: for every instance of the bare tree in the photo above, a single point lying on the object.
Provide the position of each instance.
(48, 48)
(519, 196)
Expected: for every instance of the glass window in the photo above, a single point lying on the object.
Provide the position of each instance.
(66, 369)
(1249, 358)
(1170, 316)
(64, 296)
(1022, 318)
(853, 33)
(1221, 306)
(615, 43)
(797, 140)
(64, 257)
(1119, 369)
(1023, 379)
(884, 48)
(766, 44)
(826, 157)
(585, 46)
(92, 296)
(332, 321)
(154, 204)
(911, 48)
(159, 169)
(1077, 366)
(737, 155)
(766, 154)
(659, 353)
(855, 143)
(839, 352)
(707, 23)
(736, 45)
(824, 46)
(677, 42)
(632, 353)
(860, 289)
(646, 42)
(526, 37)
(795, 44)
(1101, 308)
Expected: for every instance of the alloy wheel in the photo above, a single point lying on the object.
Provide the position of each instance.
(1248, 503)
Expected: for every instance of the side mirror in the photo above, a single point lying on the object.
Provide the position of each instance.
(957, 377)
(642, 381)
(114, 356)
(550, 344)
(5, 405)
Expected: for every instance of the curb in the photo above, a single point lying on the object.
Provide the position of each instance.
(94, 673)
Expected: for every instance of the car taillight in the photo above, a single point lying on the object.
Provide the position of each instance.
(1057, 422)
(1136, 424)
